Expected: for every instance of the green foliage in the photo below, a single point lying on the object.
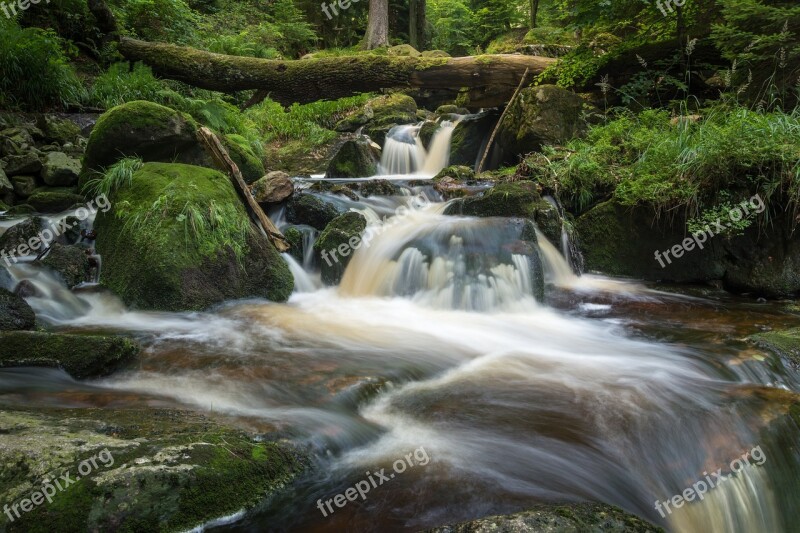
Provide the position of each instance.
(647, 158)
(157, 20)
(242, 44)
(452, 23)
(721, 211)
(35, 73)
(121, 84)
(118, 175)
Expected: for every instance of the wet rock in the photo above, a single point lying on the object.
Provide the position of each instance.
(389, 111)
(82, 356)
(6, 281)
(27, 163)
(168, 265)
(336, 188)
(69, 262)
(785, 343)
(144, 129)
(21, 209)
(451, 109)
(378, 188)
(467, 142)
(510, 199)
(295, 238)
(58, 130)
(15, 313)
(19, 234)
(310, 210)
(5, 184)
(24, 185)
(26, 289)
(337, 243)
(273, 188)
(357, 158)
(157, 469)
(60, 170)
(460, 173)
(561, 518)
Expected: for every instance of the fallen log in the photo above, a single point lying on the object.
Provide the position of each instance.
(221, 158)
(491, 79)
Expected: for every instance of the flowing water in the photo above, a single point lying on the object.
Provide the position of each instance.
(473, 340)
(404, 153)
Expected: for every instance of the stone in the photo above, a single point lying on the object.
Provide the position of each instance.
(60, 170)
(273, 188)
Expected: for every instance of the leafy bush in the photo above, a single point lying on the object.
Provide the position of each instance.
(157, 20)
(34, 69)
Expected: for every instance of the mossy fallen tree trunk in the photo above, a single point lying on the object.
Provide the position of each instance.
(491, 79)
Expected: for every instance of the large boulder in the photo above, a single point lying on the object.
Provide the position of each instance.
(60, 170)
(146, 130)
(273, 188)
(310, 210)
(24, 185)
(469, 136)
(27, 163)
(178, 238)
(15, 313)
(54, 200)
(149, 469)
(337, 244)
(357, 158)
(21, 233)
(540, 115)
(82, 356)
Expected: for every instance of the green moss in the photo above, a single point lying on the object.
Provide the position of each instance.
(250, 165)
(172, 231)
(511, 199)
(785, 343)
(53, 201)
(339, 232)
(82, 356)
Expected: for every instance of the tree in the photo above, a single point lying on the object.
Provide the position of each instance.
(534, 12)
(377, 25)
(417, 24)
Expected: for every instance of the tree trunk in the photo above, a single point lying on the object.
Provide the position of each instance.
(417, 24)
(534, 12)
(377, 25)
(491, 79)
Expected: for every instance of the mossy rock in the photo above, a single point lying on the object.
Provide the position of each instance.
(69, 262)
(60, 170)
(561, 518)
(156, 469)
(146, 130)
(153, 259)
(21, 209)
(20, 233)
(82, 356)
(337, 244)
(310, 210)
(295, 238)
(355, 119)
(378, 188)
(511, 199)
(540, 115)
(389, 111)
(357, 158)
(402, 50)
(466, 144)
(785, 343)
(58, 130)
(240, 150)
(273, 188)
(451, 109)
(24, 185)
(426, 133)
(435, 53)
(26, 163)
(15, 313)
(458, 172)
(54, 201)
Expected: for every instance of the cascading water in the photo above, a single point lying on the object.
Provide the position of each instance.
(404, 153)
(439, 336)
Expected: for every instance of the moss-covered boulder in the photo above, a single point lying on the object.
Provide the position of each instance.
(82, 356)
(15, 313)
(153, 469)
(389, 111)
(377, 188)
(355, 119)
(540, 115)
(240, 150)
(24, 185)
(70, 262)
(273, 188)
(357, 158)
(295, 238)
(58, 130)
(510, 199)
(310, 210)
(146, 130)
(561, 518)
(54, 200)
(402, 50)
(435, 53)
(469, 136)
(26, 163)
(337, 244)
(460, 173)
(178, 238)
(60, 170)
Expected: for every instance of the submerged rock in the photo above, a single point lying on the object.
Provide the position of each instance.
(337, 244)
(561, 518)
(82, 356)
(15, 313)
(156, 469)
(178, 238)
(357, 158)
(310, 210)
(69, 262)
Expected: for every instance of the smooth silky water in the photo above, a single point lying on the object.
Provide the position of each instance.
(439, 337)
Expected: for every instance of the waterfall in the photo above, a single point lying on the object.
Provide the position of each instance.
(404, 153)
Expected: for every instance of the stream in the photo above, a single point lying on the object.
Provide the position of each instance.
(598, 390)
